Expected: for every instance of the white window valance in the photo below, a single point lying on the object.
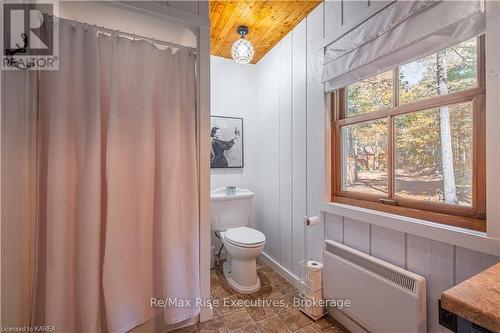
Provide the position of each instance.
(403, 32)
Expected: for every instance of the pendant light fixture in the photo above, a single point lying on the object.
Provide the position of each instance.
(242, 50)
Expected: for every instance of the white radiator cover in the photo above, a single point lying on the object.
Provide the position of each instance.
(384, 298)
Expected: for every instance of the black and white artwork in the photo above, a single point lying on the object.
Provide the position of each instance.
(226, 142)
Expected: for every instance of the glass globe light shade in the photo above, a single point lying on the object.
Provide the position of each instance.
(242, 51)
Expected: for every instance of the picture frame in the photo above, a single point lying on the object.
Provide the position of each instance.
(226, 142)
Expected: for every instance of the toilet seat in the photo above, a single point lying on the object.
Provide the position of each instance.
(244, 237)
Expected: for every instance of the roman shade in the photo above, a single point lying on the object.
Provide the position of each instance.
(402, 32)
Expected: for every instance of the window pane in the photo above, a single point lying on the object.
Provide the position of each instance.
(453, 70)
(369, 95)
(433, 154)
(364, 157)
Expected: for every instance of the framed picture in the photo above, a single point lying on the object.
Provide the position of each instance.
(226, 142)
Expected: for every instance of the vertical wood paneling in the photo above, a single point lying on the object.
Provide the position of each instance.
(299, 163)
(333, 16)
(285, 150)
(334, 227)
(271, 158)
(469, 263)
(434, 261)
(357, 235)
(388, 245)
(315, 128)
(261, 178)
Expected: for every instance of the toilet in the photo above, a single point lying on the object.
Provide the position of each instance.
(231, 216)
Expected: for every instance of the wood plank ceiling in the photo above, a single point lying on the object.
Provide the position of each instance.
(268, 23)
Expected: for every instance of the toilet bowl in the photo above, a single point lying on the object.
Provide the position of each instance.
(231, 216)
(243, 245)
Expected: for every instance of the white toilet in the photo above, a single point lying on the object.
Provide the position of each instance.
(231, 216)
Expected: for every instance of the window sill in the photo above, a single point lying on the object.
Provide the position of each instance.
(474, 240)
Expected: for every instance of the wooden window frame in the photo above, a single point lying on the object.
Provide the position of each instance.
(470, 217)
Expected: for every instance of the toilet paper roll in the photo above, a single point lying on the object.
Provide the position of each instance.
(314, 294)
(313, 275)
(313, 220)
(312, 305)
(313, 265)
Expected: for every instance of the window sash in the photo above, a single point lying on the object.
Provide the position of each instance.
(471, 217)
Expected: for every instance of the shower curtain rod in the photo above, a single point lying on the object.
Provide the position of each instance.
(132, 36)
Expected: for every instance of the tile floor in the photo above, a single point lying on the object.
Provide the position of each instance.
(278, 317)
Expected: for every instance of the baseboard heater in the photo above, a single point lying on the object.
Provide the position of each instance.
(383, 297)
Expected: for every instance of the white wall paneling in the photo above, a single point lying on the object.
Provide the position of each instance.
(468, 263)
(285, 151)
(388, 245)
(290, 114)
(298, 140)
(315, 129)
(443, 265)
(434, 261)
(282, 114)
(357, 235)
(334, 227)
(268, 162)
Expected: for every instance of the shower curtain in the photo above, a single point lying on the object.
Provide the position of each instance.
(118, 201)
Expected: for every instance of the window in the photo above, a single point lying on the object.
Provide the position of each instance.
(411, 141)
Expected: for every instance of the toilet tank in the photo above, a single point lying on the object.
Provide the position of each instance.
(230, 211)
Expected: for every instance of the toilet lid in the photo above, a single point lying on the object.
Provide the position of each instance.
(245, 236)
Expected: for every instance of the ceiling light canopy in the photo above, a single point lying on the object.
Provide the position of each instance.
(242, 50)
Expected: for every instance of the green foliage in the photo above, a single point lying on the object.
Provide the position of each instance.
(368, 95)
(417, 134)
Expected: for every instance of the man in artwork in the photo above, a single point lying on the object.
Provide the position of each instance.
(220, 146)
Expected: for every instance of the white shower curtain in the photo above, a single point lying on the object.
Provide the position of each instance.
(118, 198)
